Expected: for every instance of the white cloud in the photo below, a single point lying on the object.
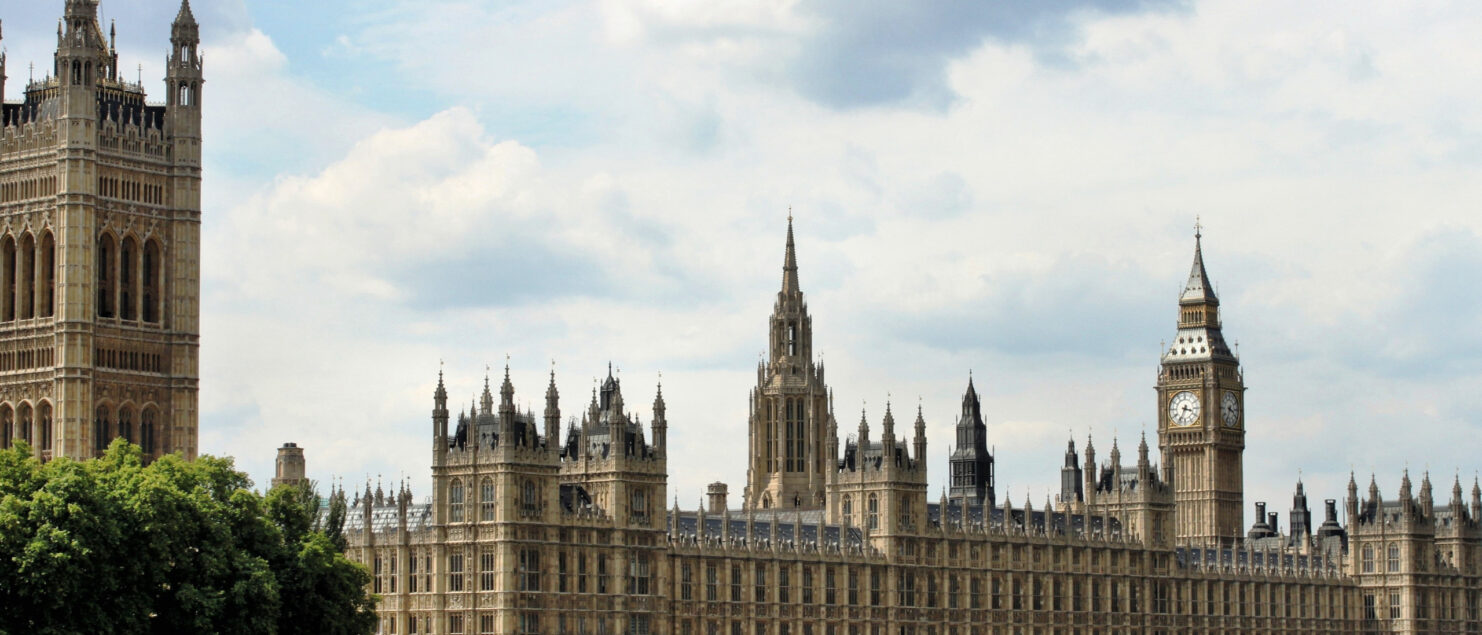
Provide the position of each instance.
(1328, 155)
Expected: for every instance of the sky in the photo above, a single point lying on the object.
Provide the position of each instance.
(1005, 189)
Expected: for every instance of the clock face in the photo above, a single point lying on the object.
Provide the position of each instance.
(1183, 409)
(1230, 409)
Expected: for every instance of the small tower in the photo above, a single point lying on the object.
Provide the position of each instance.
(971, 464)
(183, 80)
(1300, 518)
(290, 466)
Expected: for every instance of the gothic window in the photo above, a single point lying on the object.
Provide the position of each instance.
(1394, 557)
(792, 339)
(528, 499)
(23, 423)
(848, 511)
(43, 415)
(486, 571)
(126, 424)
(48, 263)
(151, 271)
(127, 278)
(7, 426)
(26, 290)
(639, 505)
(7, 258)
(872, 509)
(147, 432)
(486, 500)
(455, 572)
(640, 574)
(101, 430)
(455, 501)
(106, 281)
(1368, 558)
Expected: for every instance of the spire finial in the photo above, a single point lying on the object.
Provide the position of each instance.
(1198, 229)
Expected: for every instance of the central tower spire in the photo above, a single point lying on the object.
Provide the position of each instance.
(790, 411)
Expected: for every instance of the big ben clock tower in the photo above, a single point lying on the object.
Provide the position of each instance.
(1201, 418)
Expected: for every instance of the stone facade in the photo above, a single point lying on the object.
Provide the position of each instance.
(100, 212)
(525, 534)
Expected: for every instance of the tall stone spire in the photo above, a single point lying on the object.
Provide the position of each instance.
(918, 449)
(790, 262)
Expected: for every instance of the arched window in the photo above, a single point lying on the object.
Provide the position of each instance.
(102, 431)
(43, 417)
(1368, 558)
(47, 261)
(106, 281)
(528, 499)
(455, 501)
(638, 504)
(7, 426)
(147, 439)
(23, 423)
(26, 277)
(184, 94)
(848, 506)
(486, 500)
(7, 260)
(76, 72)
(151, 271)
(872, 508)
(1394, 557)
(128, 278)
(126, 424)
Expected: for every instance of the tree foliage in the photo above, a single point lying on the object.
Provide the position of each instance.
(110, 545)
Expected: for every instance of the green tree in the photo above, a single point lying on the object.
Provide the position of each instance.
(110, 545)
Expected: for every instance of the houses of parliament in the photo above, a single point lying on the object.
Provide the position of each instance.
(534, 529)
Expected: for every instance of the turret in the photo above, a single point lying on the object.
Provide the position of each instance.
(1456, 505)
(918, 449)
(1089, 475)
(1070, 476)
(1352, 502)
(486, 400)
(183, 81)
(1144, 468)
(440, 415)
(660, 423)
(552, 414)
(887, 436)
(1300, 519)
(863, 439)
(1427, 501)
(1476, 500)
(1407, 500)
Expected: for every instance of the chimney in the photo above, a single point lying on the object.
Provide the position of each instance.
(716, 492)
